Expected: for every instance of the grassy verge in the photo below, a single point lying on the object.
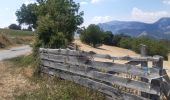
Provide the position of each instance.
(11, 32)
(52, 88)
(10, 37)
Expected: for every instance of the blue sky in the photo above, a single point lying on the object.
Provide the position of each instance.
(99, 11)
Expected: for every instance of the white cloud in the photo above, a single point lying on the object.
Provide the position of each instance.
(90, 1)
(140, 15)
(95, 1)
(97, 20)
(166, 1)
(83, 3)
(101, 19)
(29, 2)
(7, 9)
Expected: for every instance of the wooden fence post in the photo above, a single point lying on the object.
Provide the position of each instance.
(144, 65)
(158, 82)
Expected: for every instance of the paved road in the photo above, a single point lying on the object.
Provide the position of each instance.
(14, 52)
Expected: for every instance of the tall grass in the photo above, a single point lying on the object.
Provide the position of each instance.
(52, 88)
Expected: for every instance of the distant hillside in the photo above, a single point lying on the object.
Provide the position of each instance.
(158, 30)
(11, 32)
(10, 37)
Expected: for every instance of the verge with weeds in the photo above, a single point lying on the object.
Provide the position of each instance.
(50, 87)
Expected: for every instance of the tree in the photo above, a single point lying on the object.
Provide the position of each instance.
(28, 15)
(58, 22)
(108, 38)
(93, 35)
(117, 38)
(14, 26)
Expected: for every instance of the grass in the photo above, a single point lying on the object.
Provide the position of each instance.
(52, 88)
(16, 32)
(15, 37)
(57, 89)
(4, 41)
(22, 61)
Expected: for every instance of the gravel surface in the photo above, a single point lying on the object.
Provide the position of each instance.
(14, 52)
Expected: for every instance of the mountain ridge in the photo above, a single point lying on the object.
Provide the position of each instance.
(159, 29)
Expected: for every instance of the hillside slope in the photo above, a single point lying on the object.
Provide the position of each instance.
(159, 30)
(12, 38)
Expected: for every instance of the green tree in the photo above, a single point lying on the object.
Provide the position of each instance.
(125, 43)
(57, 24)
(93, 35)
(14, 26)
(28, 15)
(108, 38)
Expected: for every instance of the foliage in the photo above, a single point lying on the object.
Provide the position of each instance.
(27, 14)
(125, 43)
(154, 47)
(48, 36)
(57, 22)
(108, 38)
(14, 26)
(117, 38)
(93, 35)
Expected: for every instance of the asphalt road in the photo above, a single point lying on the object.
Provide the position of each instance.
(14, 52)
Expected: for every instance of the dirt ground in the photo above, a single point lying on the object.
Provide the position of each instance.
(13, 81)
(116, 51)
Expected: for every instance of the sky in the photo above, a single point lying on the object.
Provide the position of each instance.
(100, 11)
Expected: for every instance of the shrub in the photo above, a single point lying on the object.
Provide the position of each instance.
(108, 38)
(125, 43)
(154, 47)
(14, 26)
(57, 22)
(93, 35)
(117, 38)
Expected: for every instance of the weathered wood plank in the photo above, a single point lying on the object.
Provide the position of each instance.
(116, 95)
(106, 66)
(83, 53)
(165, 87)
(133, 63)
(144, 65)
(93, 73)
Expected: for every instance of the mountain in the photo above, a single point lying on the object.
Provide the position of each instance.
(159, 30)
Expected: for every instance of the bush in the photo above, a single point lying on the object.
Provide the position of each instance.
(93, 35)
(108, 38)
(48, 36)
(57, 23)
(154, 47)
(117, 38)
(125, 43)
(14, 26)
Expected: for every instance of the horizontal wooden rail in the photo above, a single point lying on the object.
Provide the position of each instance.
(109, 90)
(93, 73)
(83, 53)
(105, 66)
(81, 67)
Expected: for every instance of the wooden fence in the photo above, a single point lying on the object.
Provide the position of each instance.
(133, 80)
